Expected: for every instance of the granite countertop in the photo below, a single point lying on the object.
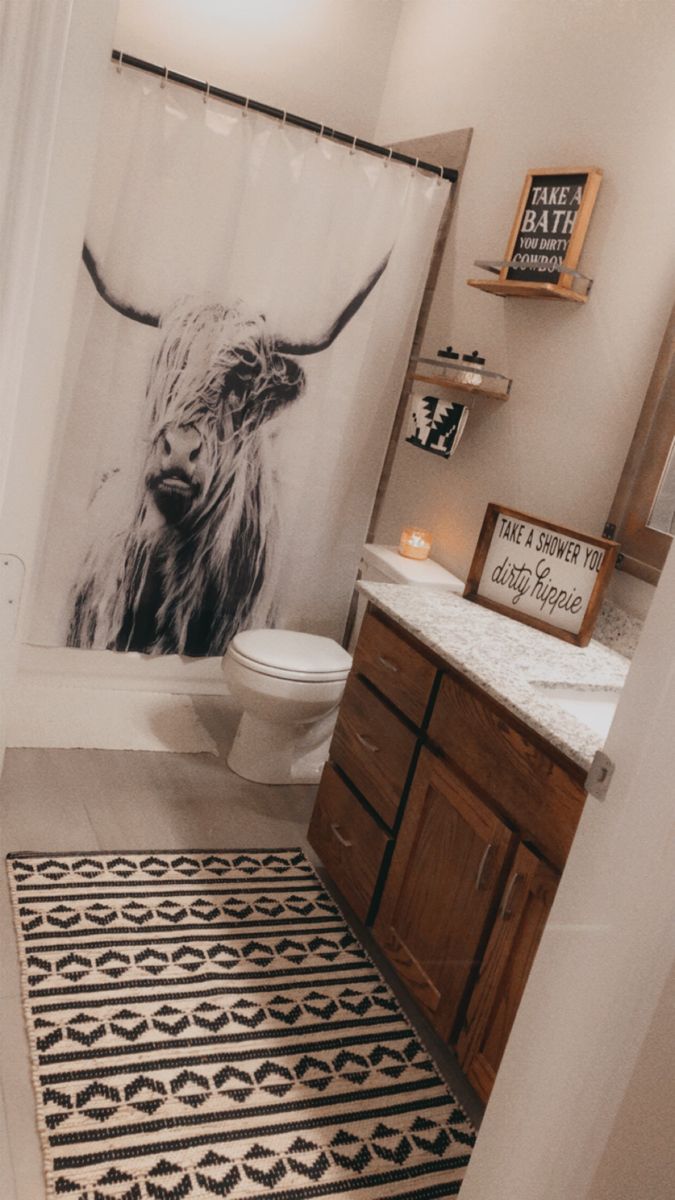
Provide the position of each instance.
(505, 657)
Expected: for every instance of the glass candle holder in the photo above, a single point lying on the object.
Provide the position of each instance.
(414, 543)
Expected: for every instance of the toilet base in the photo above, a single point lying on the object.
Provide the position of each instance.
(269, 752)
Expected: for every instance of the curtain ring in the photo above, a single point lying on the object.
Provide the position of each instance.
(166, 76)
(319, 134)
(207, 93)
(414, 170)
(389, 159)
(440, 177)
(283, 119)
(246, 104)
(119, 63)
(353, 147)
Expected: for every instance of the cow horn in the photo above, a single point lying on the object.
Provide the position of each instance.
(127, 310)
(338, 325)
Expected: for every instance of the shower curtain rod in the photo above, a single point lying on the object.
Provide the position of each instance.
(127, 60)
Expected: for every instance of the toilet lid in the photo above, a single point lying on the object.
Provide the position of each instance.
(291, 655)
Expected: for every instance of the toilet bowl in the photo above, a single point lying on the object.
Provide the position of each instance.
(289, 685)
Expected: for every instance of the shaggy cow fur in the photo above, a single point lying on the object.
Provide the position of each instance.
(191, 567)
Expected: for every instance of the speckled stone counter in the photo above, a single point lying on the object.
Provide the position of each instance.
(505, 658)
(618, 629)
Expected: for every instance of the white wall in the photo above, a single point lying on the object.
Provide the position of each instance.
(77, 100)
(543, 83)
(639, 1158)
(71, 95)
(33, 40)
(317, 58)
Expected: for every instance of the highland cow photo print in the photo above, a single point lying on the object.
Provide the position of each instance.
(243, 314)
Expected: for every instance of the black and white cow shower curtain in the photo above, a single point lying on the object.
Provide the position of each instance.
(245, 307)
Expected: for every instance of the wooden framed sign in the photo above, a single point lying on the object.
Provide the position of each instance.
(548, 233)
(551, 223)
(540, 573)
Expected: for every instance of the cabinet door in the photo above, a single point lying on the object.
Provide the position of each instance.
(525, 906)
(445, 875)
(347, 840)
(510, 764)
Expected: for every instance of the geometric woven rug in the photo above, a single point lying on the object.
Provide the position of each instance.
(206, 1024)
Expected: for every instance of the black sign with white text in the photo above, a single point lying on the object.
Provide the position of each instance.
(546, 227)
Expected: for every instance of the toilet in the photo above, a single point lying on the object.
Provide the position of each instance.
(289, 685)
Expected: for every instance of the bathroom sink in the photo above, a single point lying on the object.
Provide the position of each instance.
(593, 707)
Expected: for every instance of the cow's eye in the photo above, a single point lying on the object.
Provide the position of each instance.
(194, 454)
(166, 445)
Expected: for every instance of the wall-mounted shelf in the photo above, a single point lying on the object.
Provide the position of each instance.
(546, 238)
(579, 290)
(446, 375)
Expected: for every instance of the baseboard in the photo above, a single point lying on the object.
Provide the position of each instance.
(60, 666)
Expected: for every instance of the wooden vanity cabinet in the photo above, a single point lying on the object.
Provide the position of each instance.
(447, 871)
(445, 821)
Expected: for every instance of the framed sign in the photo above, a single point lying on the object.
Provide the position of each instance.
(548, 233)
(540, 573)
(551, 223)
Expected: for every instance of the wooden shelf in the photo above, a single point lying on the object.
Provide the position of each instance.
(456, 385)
(525, 290)
(547, 192)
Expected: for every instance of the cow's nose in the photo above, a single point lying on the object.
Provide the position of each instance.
(181, 447)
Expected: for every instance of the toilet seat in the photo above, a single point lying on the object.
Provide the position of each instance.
(286, 654)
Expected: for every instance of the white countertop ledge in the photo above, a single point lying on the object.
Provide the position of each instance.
(504, 657)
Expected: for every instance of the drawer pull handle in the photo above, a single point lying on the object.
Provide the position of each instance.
(367, 743)
(481, 866)
(386, 662)
(335, 830)
(505, 912)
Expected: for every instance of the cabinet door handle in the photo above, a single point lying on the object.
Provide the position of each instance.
(505, 912)
(386, 662)
(335, 830)
(481, 866)
(367, 743)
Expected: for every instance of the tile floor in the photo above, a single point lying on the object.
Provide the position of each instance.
(56, 800)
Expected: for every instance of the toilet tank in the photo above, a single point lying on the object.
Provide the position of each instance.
(384, 564)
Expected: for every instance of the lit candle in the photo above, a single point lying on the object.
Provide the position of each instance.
(414, 543)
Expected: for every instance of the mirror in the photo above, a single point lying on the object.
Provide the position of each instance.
(643, 510)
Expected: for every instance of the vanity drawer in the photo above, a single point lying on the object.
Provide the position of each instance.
(541, 797)
(397, 669)
(348, 841)
(373, 747)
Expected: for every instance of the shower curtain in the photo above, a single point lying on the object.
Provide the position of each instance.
(244, 313)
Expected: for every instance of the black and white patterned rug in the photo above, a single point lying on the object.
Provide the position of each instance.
(205, 1024)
